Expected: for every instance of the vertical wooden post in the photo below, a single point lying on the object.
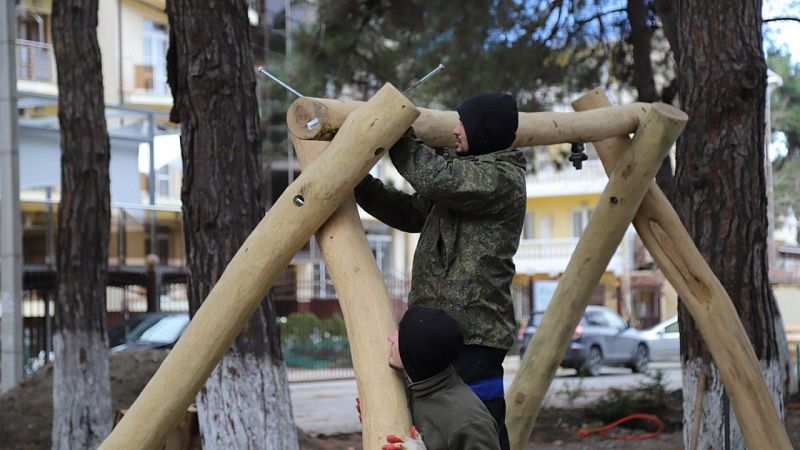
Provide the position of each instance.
(296, 215)
(612, 215)
(664, 235)
(367, 314)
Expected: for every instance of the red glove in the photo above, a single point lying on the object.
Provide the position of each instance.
(358, 409)
(411, 442)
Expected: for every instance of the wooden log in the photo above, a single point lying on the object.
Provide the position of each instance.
(288, 225)
(612, 215)
(319, 118)
(673, 250)
(367, 311)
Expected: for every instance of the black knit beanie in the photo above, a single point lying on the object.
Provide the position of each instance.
(490, 120)
(429, 340)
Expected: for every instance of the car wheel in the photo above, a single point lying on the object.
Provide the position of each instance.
(591, 367)
(641, 359)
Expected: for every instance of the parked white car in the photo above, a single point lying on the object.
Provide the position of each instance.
(664, 341)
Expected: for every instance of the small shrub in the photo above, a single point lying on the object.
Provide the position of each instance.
(649, 397)
(573, 392)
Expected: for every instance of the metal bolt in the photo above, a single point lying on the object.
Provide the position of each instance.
(299, 201)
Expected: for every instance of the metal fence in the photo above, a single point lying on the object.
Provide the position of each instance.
(313, 334)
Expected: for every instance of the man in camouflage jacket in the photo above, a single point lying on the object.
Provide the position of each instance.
(469, 209)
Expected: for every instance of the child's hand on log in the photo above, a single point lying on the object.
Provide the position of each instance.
(411, 442)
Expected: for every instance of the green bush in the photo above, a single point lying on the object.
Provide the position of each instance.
(310, 342)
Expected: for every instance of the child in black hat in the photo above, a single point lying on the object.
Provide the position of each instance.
(445, 410)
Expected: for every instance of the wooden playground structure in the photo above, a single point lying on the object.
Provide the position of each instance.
(321, 201)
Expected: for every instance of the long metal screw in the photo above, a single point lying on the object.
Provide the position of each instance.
(433, 72)
(294, 91)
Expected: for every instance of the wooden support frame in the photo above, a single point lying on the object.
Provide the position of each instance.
(673, 250)
(367, 312)
(296, 215)
(319, 118)
(616, 208)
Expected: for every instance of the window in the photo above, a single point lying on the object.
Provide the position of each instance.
(162, 181)
(672, 328)
(323, 283)
(529, 227)
(162, 248)
(156, 42)
(596, 319)
(379, 244)
(580, 218)
(546, 227)
(615, 321)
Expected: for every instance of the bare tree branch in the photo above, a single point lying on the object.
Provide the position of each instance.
(782, 19)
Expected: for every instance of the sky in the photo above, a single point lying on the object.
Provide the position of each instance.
(784, 34)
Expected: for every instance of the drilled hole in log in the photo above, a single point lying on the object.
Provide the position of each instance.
(379, 151)
(614, 200)
(299, 200)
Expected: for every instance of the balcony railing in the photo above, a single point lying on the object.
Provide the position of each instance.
(552, 256)
(35, 61)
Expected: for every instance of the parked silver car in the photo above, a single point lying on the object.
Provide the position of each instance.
(154, 330)
(602, 338)
(664, 341)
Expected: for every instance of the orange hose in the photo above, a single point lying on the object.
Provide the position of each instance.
(603, 430)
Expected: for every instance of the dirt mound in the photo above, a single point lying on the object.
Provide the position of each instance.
(26, 414)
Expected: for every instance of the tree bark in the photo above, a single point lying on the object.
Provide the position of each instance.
(245, 402)
(81, 387)
(721, 195)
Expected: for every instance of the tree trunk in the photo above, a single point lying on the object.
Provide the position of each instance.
(81, 388)
(245, 402)
(721, 195)
(645, 82)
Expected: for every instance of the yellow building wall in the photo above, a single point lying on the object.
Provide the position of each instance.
(669, 301)
(559, 210)
(788, 298)
(134, 15)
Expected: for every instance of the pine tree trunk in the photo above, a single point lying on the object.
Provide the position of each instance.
(644, 80)
(721, 194)
(245, 402)
(82, 413)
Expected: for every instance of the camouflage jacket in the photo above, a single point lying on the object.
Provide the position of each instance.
(469, 211)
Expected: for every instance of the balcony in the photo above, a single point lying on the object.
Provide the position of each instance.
(150, 86)
(549, 182)
(550, 256)
(36, 67)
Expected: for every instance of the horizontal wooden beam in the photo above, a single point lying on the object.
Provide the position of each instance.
(320, 118)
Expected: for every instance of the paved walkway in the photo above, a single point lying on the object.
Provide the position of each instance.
(328, 407)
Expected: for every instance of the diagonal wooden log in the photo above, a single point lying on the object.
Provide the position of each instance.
(673, 250)
(367, 313)
(319, 118)
(614, 211)
(296, 215)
